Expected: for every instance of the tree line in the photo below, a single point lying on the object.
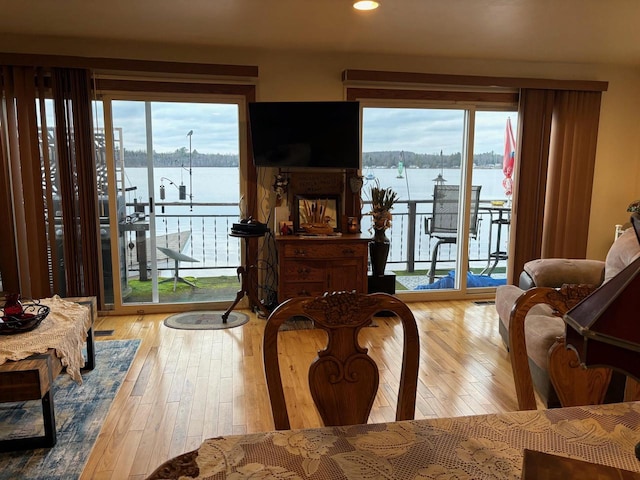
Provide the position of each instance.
(180, 158)
(389, 159)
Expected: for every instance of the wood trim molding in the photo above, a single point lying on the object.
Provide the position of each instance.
(128, 65)
(377, 76)
(108, 85)
(355, 93)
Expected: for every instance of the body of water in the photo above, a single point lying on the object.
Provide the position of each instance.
(208, 225)
(222, 185)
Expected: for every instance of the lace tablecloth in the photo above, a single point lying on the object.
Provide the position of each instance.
(64, 329)
(476, 447)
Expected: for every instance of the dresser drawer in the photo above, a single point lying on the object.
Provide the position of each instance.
(303, 271)
(313, 266)
(328, 251)
(300, 289)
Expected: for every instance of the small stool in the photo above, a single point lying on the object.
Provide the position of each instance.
(177, 257)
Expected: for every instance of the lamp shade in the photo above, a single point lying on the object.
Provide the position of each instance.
(604, 328)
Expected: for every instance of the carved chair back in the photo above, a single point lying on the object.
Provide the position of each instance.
(343, 378)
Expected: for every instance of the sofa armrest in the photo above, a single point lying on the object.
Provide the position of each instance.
(561, 300)
(555, 272)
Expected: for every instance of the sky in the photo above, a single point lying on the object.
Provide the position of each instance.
(214, 128)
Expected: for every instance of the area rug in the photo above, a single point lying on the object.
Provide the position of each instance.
(205, 320)
(80, 412)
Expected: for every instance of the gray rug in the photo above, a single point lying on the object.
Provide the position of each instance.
(80, 412)
(205, 320)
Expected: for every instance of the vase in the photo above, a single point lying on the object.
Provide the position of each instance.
(12, 306)
(378, 252)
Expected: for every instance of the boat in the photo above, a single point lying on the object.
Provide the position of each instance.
(370, 175)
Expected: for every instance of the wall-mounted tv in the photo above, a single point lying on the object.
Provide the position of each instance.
(305, 134)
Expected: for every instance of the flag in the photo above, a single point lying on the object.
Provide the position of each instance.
(509, 159)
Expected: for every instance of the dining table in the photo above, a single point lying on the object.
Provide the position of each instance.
(490, 446)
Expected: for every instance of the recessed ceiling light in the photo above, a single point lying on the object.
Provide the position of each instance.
(366, 5)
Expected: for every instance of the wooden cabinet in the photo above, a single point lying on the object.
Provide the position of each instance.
(310, 266)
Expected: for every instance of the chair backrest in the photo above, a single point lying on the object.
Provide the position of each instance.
(343, 378)
(444, 218)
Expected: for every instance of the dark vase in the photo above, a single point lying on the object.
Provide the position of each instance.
(379, 251)
(12, 305)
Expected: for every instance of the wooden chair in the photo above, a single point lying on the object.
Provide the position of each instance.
(574, 384)
(343, 379)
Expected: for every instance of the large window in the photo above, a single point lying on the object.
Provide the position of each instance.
(176, 166)
(447, 164)
(65, 200)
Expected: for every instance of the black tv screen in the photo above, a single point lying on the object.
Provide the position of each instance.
(305, 134)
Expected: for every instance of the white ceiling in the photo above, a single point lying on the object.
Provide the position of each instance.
(590, 31)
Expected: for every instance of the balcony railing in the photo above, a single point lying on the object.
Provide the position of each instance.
(205, 237)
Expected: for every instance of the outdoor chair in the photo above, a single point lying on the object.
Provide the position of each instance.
(343, 379)
(443, 222)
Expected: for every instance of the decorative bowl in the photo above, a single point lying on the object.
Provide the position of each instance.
(32, 315)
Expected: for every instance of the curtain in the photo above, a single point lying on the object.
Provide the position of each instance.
(48, 198)
(534, 126)
(27, 269)
(77, 175)
(557, 145)
(572, 156)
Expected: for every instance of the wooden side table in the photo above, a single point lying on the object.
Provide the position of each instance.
(31, 379)
(247, 274)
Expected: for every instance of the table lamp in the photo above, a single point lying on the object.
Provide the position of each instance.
(604, 328)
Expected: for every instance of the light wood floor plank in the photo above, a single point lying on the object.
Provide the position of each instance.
(186, 386)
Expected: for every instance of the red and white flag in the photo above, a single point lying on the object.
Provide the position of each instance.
(509, 159)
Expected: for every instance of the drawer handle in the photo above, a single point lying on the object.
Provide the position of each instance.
(303, 271)
(299, 251)
(303, 293)
(348, 251)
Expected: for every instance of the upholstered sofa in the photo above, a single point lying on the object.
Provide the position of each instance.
(541, 325)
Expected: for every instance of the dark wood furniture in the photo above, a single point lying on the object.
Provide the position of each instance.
(343, 379)
(310, 266)
(32, 378)
(246, 274)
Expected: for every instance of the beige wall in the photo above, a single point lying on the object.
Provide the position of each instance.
(287, 75)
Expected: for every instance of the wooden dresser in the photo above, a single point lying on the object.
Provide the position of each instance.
(310, 266)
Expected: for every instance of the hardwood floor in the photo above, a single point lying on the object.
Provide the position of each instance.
(185, 386)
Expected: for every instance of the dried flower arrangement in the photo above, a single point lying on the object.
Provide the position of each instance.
(382, 201)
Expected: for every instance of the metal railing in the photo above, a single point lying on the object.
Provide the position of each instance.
(411, 246)
(205, 237)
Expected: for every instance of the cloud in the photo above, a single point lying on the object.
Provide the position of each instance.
(215, 128)
(423, 130)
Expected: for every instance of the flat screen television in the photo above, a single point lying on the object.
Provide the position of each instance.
(305, 134)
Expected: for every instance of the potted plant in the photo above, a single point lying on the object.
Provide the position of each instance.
(382, 201)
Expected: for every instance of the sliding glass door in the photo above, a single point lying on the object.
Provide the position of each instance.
(450, 227)
(175, 170)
